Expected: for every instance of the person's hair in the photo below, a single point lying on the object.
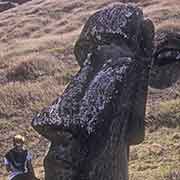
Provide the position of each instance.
(18, 139)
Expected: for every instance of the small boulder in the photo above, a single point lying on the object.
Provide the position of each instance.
(6, 5)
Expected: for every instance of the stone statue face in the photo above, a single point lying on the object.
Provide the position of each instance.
(114, 48)
(165, 71)
(166, 57)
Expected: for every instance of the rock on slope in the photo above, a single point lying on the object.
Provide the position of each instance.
(8, 4)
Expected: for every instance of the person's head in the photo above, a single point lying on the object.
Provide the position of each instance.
(18, 142)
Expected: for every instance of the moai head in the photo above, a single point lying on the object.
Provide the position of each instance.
(166, 57)
(118, 23)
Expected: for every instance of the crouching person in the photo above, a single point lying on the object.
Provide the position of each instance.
(18, 161)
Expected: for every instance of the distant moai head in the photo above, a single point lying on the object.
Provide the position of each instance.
(101, 111)
(166, 57)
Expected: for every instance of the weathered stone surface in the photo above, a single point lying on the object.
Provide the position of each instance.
(102, 110)
(167, 50)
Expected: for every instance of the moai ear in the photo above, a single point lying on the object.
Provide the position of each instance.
(148, 32)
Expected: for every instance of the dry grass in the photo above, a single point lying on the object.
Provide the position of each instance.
(172, 175)
(157, 156)
(167, 114)
(171, 24)
(37, 61)
(32, 69)
(27, 97)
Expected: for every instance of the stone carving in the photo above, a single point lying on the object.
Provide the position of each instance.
(102, 110)
(166, 55)
(6, 5)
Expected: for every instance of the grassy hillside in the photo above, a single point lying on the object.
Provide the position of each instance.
(37, 62)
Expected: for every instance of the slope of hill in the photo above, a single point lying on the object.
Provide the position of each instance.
(37, 61)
